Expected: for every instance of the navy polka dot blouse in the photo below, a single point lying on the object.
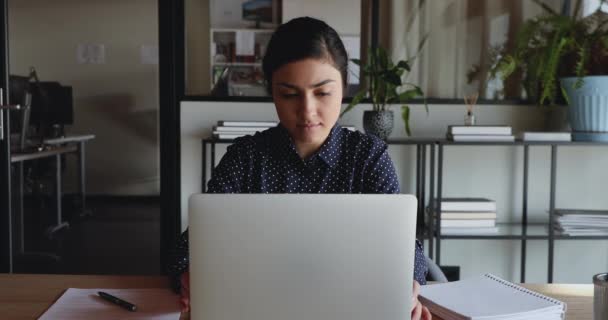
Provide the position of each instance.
(348, 162)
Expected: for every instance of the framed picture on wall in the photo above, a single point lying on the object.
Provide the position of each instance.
(264, 14)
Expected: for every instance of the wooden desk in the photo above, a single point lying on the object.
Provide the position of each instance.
(28, 296)
(578, 298)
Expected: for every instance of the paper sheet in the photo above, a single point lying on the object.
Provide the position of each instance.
(245, 43)
(153, 304)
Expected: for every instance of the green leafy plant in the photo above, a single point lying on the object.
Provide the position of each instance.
(552, 46)
(384, 82)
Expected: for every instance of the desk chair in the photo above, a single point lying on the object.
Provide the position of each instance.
(435, 273)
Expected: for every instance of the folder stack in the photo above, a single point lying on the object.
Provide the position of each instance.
(572, 222)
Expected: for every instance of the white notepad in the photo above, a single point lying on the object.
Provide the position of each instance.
(489, 297)
(152, 304)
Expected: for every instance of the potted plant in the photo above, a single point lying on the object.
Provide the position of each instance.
(384, 88)
(567, 56)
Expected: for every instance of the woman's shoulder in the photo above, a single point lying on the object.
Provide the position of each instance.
(250, 144)
(355, 139)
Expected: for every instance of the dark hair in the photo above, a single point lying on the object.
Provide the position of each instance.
(303, 38)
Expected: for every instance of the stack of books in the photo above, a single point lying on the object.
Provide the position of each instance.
(571, 222)
(480, 133)
(468, 216)
(235, 129)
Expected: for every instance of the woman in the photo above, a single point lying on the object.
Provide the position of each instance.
(305, 69)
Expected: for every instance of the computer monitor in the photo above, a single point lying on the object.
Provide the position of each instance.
(52, 104)
(301, 256)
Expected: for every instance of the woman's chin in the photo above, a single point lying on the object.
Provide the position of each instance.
(311, 136)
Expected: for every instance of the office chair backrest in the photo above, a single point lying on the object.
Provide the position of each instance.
(435, 273)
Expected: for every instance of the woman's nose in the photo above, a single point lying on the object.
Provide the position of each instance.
(308, 104)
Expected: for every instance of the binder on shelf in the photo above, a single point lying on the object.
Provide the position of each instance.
(489, 297)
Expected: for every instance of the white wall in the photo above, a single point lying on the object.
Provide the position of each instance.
(197, 47)
(117, 101)
(493, 172)
(342, 15)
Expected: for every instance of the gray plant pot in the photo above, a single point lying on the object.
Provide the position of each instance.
(378, 123)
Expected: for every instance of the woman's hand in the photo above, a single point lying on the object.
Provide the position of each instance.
(419, 312)
(185, 291)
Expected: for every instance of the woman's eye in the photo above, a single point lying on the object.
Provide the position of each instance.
(323, 94)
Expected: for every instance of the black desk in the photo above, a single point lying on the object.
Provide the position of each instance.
(55, 148)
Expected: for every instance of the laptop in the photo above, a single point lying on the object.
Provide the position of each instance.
(301, 256)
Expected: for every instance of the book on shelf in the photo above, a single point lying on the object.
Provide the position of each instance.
(479, 130)
(456, 215)
(221, 135)
(468, 205)
(247, 123)
(458, 231)
(478, 223)
(238, 129)
(545, 136)
(480, 138)
(489, 297)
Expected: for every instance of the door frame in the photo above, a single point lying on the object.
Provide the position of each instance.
(171, 41)
(172, 89)
(6, 234)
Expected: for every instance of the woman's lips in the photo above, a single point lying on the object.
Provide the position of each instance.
(309, 125)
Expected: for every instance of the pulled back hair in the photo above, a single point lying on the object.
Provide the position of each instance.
(304, 38)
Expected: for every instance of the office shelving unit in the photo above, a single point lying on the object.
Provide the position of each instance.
(429, 223)
(222, 56)
(511, 231)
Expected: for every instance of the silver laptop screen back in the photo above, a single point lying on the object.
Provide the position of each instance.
(301, 256)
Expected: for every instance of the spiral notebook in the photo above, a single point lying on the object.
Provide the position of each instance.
(489, 297)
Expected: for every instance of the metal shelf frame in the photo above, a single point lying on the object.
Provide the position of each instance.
(524, 237)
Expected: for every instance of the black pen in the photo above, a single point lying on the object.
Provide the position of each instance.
(127, 305)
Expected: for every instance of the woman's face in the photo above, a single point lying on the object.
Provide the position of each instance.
(307, 95)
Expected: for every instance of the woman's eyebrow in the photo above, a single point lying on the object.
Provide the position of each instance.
(291, 86)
